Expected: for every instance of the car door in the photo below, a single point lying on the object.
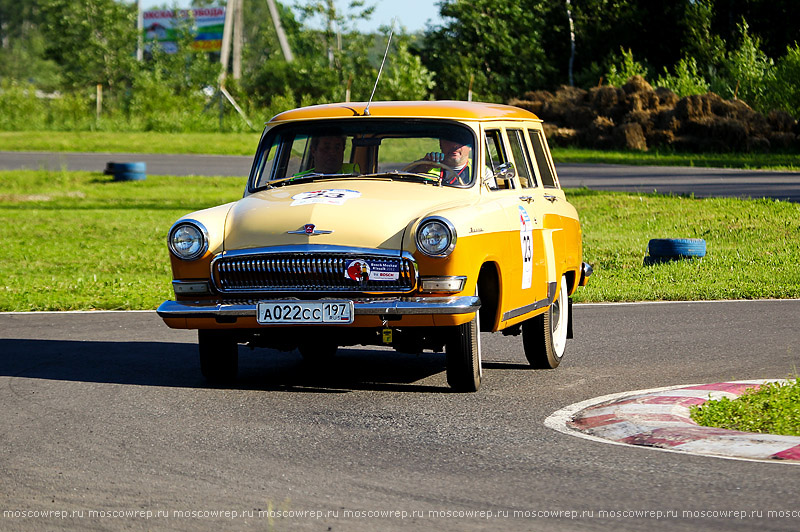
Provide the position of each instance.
(553, 208)
(524, 265)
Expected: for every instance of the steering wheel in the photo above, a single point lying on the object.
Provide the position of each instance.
(423, 165)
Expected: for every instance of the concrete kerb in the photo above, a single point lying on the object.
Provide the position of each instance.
(659, 419)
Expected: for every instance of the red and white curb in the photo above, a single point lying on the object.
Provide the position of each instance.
(659, 419)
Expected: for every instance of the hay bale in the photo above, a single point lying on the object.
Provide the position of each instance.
(630, 136)
(781, 121)
(637, 84)
(602, 124)
(698, 127)
(781, 140)
(598, 134)
(666, 119)
(694, 107)
(578, 117)
(604, 99)
(666, 98)
(563, 136)
(660, 137)
(538, 96)
(758, 145)
(573, 95)
(645, 119)
(731, 132)
(533, 106)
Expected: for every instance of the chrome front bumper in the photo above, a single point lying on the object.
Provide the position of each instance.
(368, 306)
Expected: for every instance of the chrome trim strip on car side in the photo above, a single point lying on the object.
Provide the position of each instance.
(366, 306)
(542, 303)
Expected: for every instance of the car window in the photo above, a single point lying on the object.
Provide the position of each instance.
(546, 172)
(402, 148)
(522, 163)
(495, 159)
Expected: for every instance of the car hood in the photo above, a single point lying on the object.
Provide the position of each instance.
(355, 213)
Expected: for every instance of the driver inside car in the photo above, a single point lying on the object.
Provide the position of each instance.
(456, 158)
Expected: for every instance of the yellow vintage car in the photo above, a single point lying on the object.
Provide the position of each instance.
(414, 225)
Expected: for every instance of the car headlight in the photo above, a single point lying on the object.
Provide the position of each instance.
(436, 237)
(188, 239)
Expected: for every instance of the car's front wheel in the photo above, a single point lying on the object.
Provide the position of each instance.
(219, 356)
(463, 351)
(544, 337)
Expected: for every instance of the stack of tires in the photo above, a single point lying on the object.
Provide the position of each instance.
(668, 249)
(127, 171)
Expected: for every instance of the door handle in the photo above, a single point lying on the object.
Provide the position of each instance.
(529, 199)
(550, 198)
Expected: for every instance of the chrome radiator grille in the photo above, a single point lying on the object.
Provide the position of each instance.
(299, 272)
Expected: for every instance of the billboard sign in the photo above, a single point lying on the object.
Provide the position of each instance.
(162, 26)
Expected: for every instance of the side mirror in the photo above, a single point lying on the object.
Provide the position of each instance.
(505, 171)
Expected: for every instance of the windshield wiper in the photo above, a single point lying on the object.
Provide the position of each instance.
(306, 177)
(395, 174)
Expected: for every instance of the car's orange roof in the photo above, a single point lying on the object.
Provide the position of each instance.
(441, 109)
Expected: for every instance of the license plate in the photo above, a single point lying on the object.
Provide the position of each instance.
(272, 312)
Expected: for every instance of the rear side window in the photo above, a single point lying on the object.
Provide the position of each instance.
(522, 160)
(543, 163)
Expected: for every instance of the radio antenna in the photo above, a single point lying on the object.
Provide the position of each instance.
(389, 42)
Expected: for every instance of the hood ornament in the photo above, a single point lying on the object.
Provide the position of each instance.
(309, 229)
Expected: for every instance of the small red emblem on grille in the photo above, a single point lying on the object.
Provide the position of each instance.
(309, 228)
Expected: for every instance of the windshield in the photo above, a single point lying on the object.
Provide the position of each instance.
(424, 151)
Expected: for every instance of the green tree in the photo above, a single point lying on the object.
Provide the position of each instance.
(404, 77)
(702, 44)
(94, 41)
(22, 46)
(493, 45)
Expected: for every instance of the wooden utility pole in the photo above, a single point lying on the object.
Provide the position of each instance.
(139, 30)
(276, 21)
(238, 24)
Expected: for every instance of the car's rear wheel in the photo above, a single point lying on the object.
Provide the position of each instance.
(317, 353)
(219, 356)
(463, 351)
(544, 337)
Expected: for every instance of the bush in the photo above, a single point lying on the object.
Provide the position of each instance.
(687, 79)
(785, 91)
(20, 109)
(624, 68)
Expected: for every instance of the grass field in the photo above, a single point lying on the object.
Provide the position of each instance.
(774, 409)
(79, 240)
(245, 144)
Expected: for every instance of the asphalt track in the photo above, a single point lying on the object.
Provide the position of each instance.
(702, 182)
(104, 415)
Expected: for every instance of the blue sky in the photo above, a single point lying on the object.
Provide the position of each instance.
(413, 15)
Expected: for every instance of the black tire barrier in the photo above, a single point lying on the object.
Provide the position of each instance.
(127, 171)
(667, 249)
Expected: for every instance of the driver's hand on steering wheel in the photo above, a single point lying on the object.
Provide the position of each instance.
(436, 157)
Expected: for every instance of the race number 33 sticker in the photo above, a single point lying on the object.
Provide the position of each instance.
(331, 196)
(526, 241)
